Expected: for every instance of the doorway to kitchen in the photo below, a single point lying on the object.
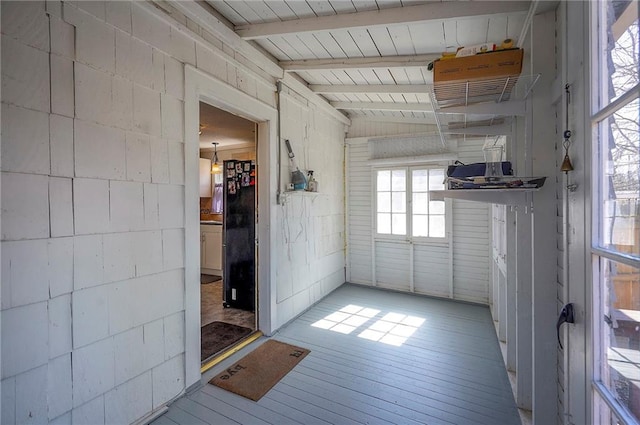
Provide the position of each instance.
(228, 205)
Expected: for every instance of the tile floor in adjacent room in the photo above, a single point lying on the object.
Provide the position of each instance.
(212, 309)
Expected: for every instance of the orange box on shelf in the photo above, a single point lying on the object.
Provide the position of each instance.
(485, 65)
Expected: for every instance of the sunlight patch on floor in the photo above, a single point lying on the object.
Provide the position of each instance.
(347, 319)
(392, 328)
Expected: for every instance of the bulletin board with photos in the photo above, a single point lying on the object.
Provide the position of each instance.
(239, 174)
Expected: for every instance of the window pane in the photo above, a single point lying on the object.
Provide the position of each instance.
(620, 338)
(384, 202)
(619, 137)
(384, 180)
(436, 207)
(602, 415)
(399, 224)
(436, 179)
(436, 226)
(398, 202)
(384, 223)
(398, 180)
(421, 203)
(420, 225)
(619, 49)
(419, 182)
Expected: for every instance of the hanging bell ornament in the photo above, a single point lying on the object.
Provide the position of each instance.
(566, 164)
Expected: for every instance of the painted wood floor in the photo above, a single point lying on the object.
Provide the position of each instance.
(377, 357)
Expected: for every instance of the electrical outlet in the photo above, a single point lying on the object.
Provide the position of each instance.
(233, 294)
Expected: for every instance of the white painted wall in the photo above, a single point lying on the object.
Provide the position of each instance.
(93, 222)
(432, 265)
(310, 253)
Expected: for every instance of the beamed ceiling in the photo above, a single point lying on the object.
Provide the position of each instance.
(369, 58)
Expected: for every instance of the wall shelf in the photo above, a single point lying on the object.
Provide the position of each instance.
(492, 196)
(479, 104)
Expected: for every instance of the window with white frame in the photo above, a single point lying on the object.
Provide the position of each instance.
(403, 204)
(616, 211)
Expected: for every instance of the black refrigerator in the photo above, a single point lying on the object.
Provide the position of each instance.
(238, 237)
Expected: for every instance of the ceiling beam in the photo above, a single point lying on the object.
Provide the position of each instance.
(418, 14)
(370, 88)
(400, 120)
(380, 106)
(355, 63)
(482, 130)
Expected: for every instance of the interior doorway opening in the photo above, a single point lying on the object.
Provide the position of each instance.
(228, 206)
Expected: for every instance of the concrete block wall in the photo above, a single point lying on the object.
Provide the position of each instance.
(92, 215)
(310, 241)
(92, 184)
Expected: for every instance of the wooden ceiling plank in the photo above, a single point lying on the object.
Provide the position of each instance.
(282, 44)
(415, 76)
(368, 62)
(301, 9)
(383, 42)
(264, 11)
(314, 45)
(401, 38)
(356, 77)
(346, 42)
(364, 5)
(274, 50)
(400, 75)
(229, 12)
(435, 11)
(330, 44)
(321, 7)
(365, 43)
(384, 75)
(301, 47)
(282, 9)
(341, 6)
(370, 76)
(498, 29)
(343, 77)
(246, 11)
(427, 37)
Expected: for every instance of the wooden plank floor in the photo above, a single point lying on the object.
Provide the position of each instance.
(448, 370)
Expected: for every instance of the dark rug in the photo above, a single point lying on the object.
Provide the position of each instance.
(208, 278)
(257, 372)
(217, 336)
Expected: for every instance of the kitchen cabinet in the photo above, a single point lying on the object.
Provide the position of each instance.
(211, 248)
(205, 178)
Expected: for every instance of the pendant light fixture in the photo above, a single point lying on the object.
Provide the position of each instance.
(216, 168)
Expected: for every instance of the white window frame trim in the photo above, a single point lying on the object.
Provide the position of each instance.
(596, 115)
(408, 238)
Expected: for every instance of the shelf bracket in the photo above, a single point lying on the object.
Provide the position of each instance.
(509, 108)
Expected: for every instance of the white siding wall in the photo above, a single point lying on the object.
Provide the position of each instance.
(471, 236)
(470, 239)
(93, 206)
(359, 216)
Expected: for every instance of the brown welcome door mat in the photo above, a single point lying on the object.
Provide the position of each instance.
(257, 372)
(217, 336)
